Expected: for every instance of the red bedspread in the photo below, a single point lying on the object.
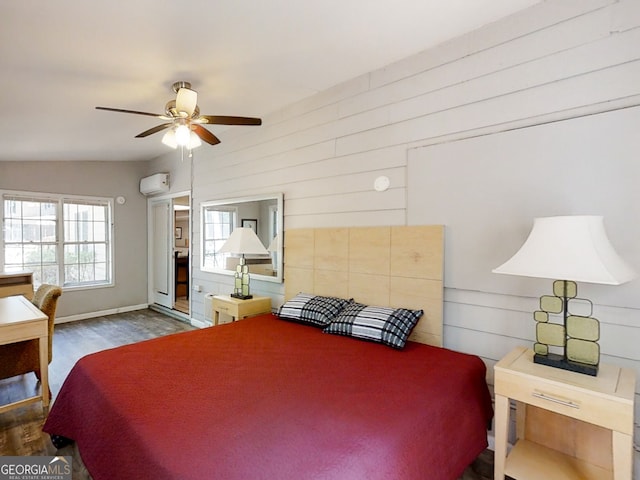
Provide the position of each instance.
(263, 398)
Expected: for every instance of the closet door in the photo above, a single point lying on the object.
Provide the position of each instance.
(160, 269)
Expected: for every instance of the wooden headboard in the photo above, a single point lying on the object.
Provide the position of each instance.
(383, 266)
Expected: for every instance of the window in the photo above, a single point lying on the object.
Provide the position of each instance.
(30, 237)
(63, 240)
(217, 224)
(85, 243)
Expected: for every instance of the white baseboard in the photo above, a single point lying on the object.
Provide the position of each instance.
(131, 308)
(111, 311)
(200, 323)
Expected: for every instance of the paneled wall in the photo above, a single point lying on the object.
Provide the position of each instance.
(559, 59)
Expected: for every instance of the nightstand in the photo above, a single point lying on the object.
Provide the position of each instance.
(237, 308)
(568, 425)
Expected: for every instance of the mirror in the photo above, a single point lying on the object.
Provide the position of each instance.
(263, 214)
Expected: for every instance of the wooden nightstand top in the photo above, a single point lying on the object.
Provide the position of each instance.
(611, 380)
(230, 299)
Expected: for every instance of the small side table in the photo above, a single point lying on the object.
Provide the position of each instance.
(568, 425)
(239, 309)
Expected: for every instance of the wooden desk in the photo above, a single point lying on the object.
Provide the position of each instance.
(16, 283)
(568, 425)
(21, 320)
(237, 308)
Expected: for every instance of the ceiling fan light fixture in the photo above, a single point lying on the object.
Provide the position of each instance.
(186, 101)
(194, 141)
(173, 138)
(169, 139)
(170, 109)
(183, 135)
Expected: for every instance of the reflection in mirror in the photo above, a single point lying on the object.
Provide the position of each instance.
(261, 213)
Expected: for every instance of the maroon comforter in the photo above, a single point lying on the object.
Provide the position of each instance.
(263, 398)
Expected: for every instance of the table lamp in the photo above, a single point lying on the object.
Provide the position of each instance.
(568, 249)
(243, 241)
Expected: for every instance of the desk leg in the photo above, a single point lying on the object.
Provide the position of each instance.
(216, 316)
(622, 456)
(44, 371)
(501, 430)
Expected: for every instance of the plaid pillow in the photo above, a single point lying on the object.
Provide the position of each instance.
(389, 326)
(312, 309)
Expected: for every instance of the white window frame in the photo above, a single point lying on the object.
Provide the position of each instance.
(203, 228)
(61, 241)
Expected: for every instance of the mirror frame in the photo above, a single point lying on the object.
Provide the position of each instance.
(279, 197)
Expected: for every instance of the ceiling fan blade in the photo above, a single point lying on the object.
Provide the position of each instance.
(186, 101)
(157, 115)
(205, 134)
(153, 130)
(227, 120)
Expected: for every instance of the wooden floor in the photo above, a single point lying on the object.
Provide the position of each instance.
(20, 429)
(182, 305)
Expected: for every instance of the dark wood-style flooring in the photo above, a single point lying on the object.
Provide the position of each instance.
(20, 432)
(20, 429)
(182, 305)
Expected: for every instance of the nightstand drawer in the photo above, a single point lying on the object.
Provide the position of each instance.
(570, 400)
(223, 306)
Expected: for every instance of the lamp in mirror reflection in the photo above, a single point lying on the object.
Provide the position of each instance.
(568, 249)
(243, 241)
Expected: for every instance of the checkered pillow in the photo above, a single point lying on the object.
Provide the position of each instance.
(389, 326)
(312, 309)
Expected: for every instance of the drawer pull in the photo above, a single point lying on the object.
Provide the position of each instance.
(544, 396)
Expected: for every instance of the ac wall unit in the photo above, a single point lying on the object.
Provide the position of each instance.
(158, 183)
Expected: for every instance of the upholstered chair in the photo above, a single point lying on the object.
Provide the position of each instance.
(24, 357)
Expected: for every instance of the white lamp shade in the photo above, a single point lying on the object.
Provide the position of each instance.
(243, 241)
(186, 101)
(569, 248)
(194, 141)
(169, 139)
(183, 135)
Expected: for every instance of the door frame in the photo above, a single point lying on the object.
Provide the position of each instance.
(151, 298)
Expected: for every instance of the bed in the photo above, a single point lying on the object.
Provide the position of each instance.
(268, 397)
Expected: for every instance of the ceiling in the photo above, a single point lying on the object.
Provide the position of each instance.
(62, 58)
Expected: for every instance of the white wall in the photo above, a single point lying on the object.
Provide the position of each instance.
(179, 170)
(559, 59)
(102, 179)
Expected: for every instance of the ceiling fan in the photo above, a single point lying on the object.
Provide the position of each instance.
(184, 121)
